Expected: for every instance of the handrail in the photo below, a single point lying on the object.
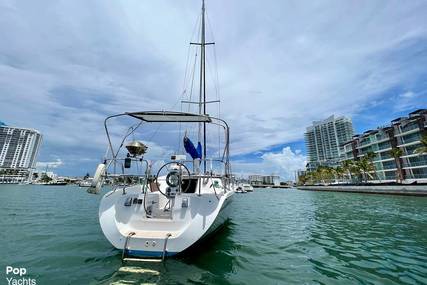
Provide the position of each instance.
(222, 164)
(125, 249)
(168, 235)
(226, 152)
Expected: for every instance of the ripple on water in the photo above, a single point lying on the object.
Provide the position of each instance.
(275, 237)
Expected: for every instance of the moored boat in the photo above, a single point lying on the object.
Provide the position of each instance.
(85, 183)
(159, 212)
(163, 215)
(247, 187)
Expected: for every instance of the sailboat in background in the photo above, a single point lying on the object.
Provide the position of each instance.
(164, 213)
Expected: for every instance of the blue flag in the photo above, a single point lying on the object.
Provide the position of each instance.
(191, 149)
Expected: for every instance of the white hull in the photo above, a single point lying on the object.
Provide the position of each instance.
(172, 211)
(186, 222)
(244, 188)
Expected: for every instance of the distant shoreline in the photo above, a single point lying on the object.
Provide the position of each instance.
(403, 190)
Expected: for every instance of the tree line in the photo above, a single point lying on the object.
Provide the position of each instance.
(360, 170)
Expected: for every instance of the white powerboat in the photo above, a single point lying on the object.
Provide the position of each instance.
(85, 183)
(162, 212)
(247, 187)
(244, 188)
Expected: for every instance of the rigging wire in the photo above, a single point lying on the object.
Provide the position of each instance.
(185, 83)
(192, 79)
(217, 85)
(193, 73)
(189, 77)
(184, 87)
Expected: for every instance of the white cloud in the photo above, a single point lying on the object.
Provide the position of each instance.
(409, 100)
(408, 94)
(283, 163)
(281, 65)
(49, 164)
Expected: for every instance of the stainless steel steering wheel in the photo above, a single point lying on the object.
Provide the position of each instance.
(174, 177)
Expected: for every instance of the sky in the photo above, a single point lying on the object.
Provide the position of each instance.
(66, 65)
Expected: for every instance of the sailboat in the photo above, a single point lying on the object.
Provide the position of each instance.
(164, 212)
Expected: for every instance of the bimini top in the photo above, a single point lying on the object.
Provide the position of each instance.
(170, 116)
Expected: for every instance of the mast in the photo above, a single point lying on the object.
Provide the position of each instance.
(202, 94)
(202, 89)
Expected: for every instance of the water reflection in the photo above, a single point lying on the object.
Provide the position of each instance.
(361, 234)
(276, 237)
(207, 262)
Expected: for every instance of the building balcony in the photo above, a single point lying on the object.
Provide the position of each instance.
(417, 164)
(383, 150)
(409, 154)
(417, 176)
(384, 159)
(368, 143)
(375, 151)
(386, 156)
(390, 169)
(407, 130)
(408, 143)
(389, 166)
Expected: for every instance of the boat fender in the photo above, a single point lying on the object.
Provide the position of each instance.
(98, 179)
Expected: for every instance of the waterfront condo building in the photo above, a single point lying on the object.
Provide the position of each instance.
(394, 148)
(19, 148)
(263, 180)
(324, 140)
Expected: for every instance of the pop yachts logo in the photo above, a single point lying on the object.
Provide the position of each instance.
(16, 276)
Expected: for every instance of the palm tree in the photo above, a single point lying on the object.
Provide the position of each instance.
(315, 176)
(303, 178)
(397, 153)
(339, 172)
(423, 148)
(327, 173)
(347, 166)
(320, 171)
(45, 178)
(364, 166)
(370, 157)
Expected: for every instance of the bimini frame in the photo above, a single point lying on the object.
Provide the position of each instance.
(174, 117)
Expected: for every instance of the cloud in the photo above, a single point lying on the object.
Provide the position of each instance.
(281, 65)
(409, 100)
(283, 163)
(49, 164)
(286, 160)
(407, 95)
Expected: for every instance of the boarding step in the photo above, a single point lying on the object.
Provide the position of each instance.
(134, 259)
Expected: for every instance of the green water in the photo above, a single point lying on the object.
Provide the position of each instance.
(275, 237)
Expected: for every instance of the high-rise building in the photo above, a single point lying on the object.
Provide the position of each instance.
(324, 140)
(394, 148)
(19, 148)
(262, 180)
